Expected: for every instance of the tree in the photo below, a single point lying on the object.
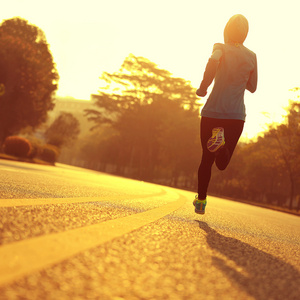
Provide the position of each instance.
(263, 171)
(287, 136)
(142, 103)
(28, 76)
(139, 82)
(267, 169)
(180, 144)
(63, 131)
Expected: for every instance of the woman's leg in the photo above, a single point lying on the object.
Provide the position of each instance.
(208, 158)
(232, 131)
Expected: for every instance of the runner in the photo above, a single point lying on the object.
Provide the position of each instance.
(234, 68)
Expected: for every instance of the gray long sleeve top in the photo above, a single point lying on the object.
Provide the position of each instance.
(236, 72)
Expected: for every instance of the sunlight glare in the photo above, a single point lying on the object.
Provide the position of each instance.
(91, 37)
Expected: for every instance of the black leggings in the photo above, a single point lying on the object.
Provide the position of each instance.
(232, 131)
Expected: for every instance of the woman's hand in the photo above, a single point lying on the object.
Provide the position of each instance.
(201, 93)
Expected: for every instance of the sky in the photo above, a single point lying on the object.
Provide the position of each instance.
(89, 37)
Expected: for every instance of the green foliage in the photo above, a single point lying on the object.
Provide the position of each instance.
(34, 151)
(152, 119)
(63, 131)
(267, 170)
(49, 153)
(17, 146)
(28, 74)
(139, 82)
(287, 136)
(36, 147)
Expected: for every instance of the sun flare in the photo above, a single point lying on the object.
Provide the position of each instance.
(96, 36)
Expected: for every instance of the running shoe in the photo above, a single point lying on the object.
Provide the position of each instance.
(199, 205)
(217, 140)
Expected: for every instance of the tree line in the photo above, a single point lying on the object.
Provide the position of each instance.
(147, 128)
(266, 170)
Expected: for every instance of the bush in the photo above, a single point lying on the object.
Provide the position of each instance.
(34, 151)
(36, 148)
(17, 146)
(49, 153)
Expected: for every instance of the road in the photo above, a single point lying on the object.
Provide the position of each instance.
(71, 233)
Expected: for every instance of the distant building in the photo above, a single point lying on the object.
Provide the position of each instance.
(77, 108)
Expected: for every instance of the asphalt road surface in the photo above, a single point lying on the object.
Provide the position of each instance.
(70, 233)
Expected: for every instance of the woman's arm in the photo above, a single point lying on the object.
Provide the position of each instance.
(210, 72)
(252, 81)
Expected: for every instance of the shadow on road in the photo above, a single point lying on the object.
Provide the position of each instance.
(258, 273)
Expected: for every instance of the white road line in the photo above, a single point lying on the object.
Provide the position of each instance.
(49, 201)
(27, 256)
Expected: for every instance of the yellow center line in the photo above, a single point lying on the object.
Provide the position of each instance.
(48, 201)
(24, 257)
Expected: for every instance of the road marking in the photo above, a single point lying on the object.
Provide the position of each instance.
(49, 201)
(45, 201)
(27, 256)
